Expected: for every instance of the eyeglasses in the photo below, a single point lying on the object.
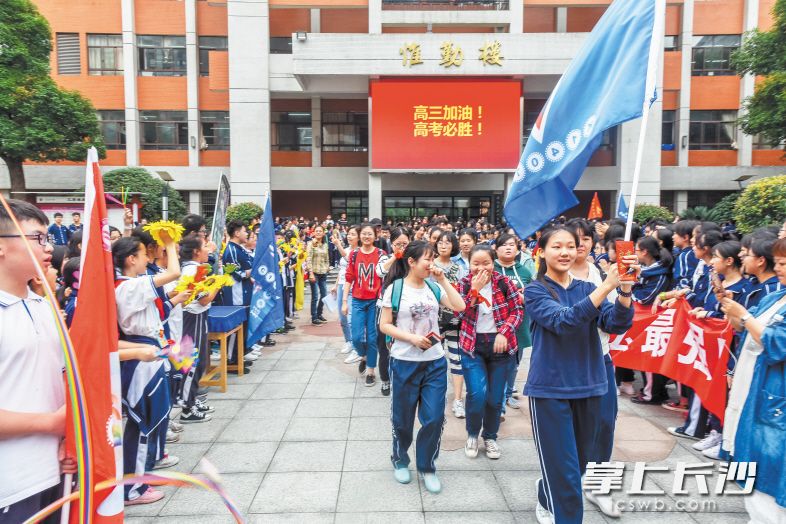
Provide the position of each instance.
(41, 238)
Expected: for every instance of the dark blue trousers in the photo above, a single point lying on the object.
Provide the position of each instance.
(139, 454)
(566, 434)
(486, 376)
(608, 416)
(421, 387)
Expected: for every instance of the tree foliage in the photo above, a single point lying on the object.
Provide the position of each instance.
(724, 210)
(244, 211)
(39, 121)
(762, 203)
(138, 180)
(764, 53)
(646, 212)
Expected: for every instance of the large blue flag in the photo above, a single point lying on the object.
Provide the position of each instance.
(622, 208)
(267, 302)
(610, 81)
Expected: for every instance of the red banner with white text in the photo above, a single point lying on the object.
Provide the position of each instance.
(674, 344)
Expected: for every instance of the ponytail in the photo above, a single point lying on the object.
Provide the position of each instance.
(400, 268)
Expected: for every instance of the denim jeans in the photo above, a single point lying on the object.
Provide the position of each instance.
(364, 329)
(318, 292)
(485, 374)
(344, 319)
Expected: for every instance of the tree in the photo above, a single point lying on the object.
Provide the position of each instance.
(646, 212)
(764, 53)
(244, 211)
(39, 121)
(151, 189)
(762, 203)
(724, 210)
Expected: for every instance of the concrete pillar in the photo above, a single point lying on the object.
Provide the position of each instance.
(374, 17)
(680, 201)
(316, 21)
(249, 98)
(747, 86)
(195, 202)
(516, 11)
(192, 83)
(374, 195)
(316, 131)
(562, 20)
(129, 82)
(683, 115)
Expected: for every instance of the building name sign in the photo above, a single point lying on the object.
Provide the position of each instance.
(451, 55)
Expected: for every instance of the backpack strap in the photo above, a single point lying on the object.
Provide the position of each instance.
(395, 302)
(434, 289)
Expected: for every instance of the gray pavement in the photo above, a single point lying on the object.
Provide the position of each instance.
(301, 439)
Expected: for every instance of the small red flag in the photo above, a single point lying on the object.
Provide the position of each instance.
(595, 210)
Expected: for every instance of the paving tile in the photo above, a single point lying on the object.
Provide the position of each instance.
(469, 517)
(256, 376)
(288, 377)
(281, 408)
(314, 429)
(308, 456)
(226, 408)
(241, 457)
(290, 518)
(371, 407)
(295, 365)
(363, 492)
(236, 392)
(312, 355)
(307, 492)
(193, 501)
(370, 428)
(329, 390)
(189, 454)
(369, 455)
(278, 391)
(466, 491)
(203, 431)
(324, 408)
(412, 517)
(254, 430)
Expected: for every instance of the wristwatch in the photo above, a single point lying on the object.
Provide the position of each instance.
(745, 318)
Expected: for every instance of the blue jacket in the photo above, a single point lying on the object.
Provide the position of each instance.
(653, 280)
(59, 235)
(761, 289)
(761, 433)
(702, 291)
(740, 292)
(567, 356)
(462, 264)
(240, 293)
(685, 263)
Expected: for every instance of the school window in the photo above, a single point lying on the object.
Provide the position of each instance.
(207, 44)
(113, 128)
(345, 131)
(215, 129)
(105, 55)
(164, 129)
(530, 117)
(290, 131)
(711, 54)
(667, 129)
(280, 45)
(760, 142)
(712, 129)
(69, 61)
(353, 203)
(162, 55)
(671, 43)
(207, 201)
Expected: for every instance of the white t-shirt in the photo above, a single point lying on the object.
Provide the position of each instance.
(485, 323)
(136, 308)
(418, 313)
(31, 367)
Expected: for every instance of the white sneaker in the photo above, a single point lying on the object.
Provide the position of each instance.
(167, 462)
(458, 409)
(713, 452)
(492, 449)
(250, 357)
(604, 503)
(172, 437)
(542, 515)
(471, 448)
(626, 388)
(710, 441)
(347, 348)
(352, 357)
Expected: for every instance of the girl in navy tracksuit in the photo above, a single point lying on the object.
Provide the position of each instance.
(567, 375)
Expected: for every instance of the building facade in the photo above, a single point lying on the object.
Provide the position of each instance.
(391, 108)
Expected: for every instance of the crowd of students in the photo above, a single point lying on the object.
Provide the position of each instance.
(420, 303)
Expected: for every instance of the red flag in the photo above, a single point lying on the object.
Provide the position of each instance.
(683, 348)
(94, 334)
(595, 210)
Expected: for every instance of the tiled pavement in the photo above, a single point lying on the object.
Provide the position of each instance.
(301, 439)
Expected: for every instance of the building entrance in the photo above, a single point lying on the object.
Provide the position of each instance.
(400, 208)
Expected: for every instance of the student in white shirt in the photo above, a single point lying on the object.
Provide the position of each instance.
(418, 369)
(32, 399)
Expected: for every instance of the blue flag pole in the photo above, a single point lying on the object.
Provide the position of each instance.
(656, 50)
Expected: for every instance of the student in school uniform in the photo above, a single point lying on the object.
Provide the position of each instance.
(58, 232)
(759, 265)
(567, 377)
(143, 379)
(685, 261)
(32, 396)
(235, 253)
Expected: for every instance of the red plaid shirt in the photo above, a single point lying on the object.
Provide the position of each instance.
(508, 312)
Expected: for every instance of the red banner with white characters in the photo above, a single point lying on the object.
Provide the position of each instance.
(674, 344)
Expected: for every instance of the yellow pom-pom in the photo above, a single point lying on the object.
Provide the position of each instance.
(171, 229)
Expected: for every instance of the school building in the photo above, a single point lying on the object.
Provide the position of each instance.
(391, 108)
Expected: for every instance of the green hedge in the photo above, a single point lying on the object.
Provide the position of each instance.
(244, 211)
(151, 189)
(762, 203)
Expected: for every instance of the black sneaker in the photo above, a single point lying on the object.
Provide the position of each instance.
(317, 322)
(269, 343)
(370, 380)
(323, 319)
(386, 389)
(246, 370)
(362, 367)
(194, 416)
(203, 407)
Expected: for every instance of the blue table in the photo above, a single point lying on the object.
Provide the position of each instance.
(222, 322)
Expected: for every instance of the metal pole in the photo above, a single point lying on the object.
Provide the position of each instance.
(165, 202)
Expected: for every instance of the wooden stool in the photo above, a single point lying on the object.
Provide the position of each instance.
(216, 375)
